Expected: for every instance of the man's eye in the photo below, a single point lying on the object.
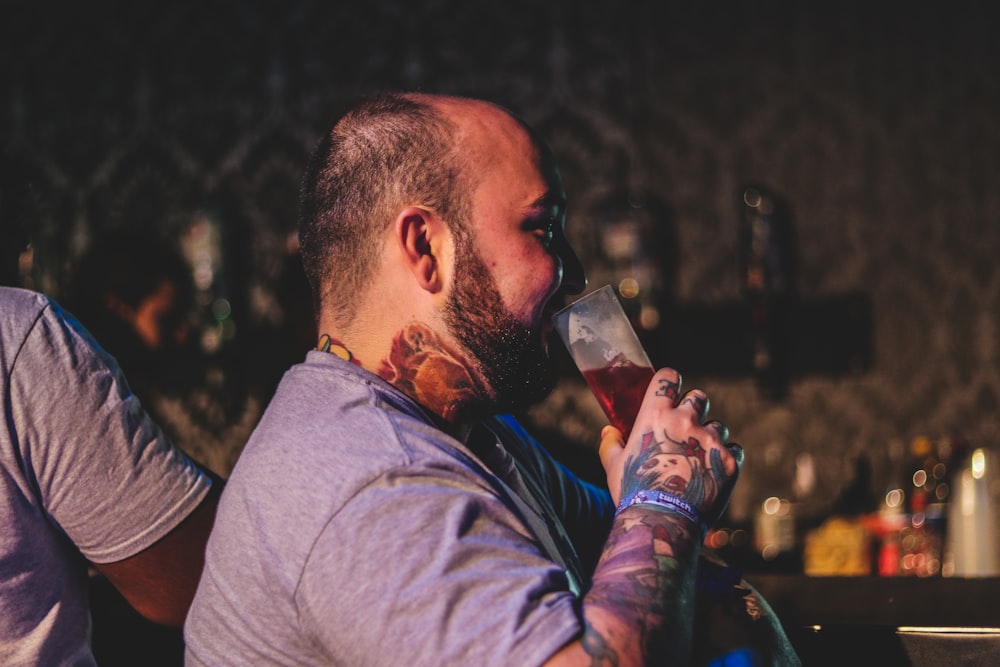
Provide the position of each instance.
(546, 231)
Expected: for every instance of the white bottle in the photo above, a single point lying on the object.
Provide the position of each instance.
(972, 547)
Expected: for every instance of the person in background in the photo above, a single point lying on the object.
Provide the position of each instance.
(386, 508)
(15, 192)
(135, 293)
(87, 478)
(134, 290)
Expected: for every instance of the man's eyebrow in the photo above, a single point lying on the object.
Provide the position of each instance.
(547, 200)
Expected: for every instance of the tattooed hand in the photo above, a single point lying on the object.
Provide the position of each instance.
(673, 449)
(640, 607)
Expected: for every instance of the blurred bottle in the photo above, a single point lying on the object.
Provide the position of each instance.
(921, 539)
(768, 275)
(972, 544)
(775, 536)
(640, 253)
(887, 527)
(887, 521)
(202, 245)
(837, 541)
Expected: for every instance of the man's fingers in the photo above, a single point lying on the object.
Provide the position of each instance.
(719, 428)
(611, 451)
(737, 452)
(612, 442)
(666, 384)
(698, 402)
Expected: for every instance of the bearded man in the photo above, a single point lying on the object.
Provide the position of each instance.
(386, 510)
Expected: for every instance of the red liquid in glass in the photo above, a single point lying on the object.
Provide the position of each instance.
(620, 390)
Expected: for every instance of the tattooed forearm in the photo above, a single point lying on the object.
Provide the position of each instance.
(639, 580)
(597, 648)
(641, 549)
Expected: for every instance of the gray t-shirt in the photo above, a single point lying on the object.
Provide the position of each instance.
(84, 473)
(354, 532)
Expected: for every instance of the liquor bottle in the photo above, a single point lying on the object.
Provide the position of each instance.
(640, 251)
(922, 539)
(891, 517)
(776, 543)
(972, 544)
(767, 264)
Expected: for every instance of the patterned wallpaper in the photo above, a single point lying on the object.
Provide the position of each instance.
(877, 126)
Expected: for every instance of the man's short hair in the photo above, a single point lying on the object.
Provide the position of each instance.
(388, 151)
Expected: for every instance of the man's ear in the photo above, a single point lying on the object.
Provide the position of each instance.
(420, 235)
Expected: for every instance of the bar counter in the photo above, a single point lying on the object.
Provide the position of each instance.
(906, 621)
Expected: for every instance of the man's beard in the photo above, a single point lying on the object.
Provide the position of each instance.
(512, 357)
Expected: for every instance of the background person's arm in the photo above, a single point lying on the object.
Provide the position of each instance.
(159, 581)
(101, 470)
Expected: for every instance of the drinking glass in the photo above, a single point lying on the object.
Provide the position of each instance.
(607, 351)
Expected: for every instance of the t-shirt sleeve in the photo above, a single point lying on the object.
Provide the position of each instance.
(104, 471)
(446, 572)
(586, 511)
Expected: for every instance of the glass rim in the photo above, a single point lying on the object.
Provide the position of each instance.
(586, 297)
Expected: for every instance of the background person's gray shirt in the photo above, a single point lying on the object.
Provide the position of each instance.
(83, 470)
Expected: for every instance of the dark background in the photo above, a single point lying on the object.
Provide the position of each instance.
(876, 124)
